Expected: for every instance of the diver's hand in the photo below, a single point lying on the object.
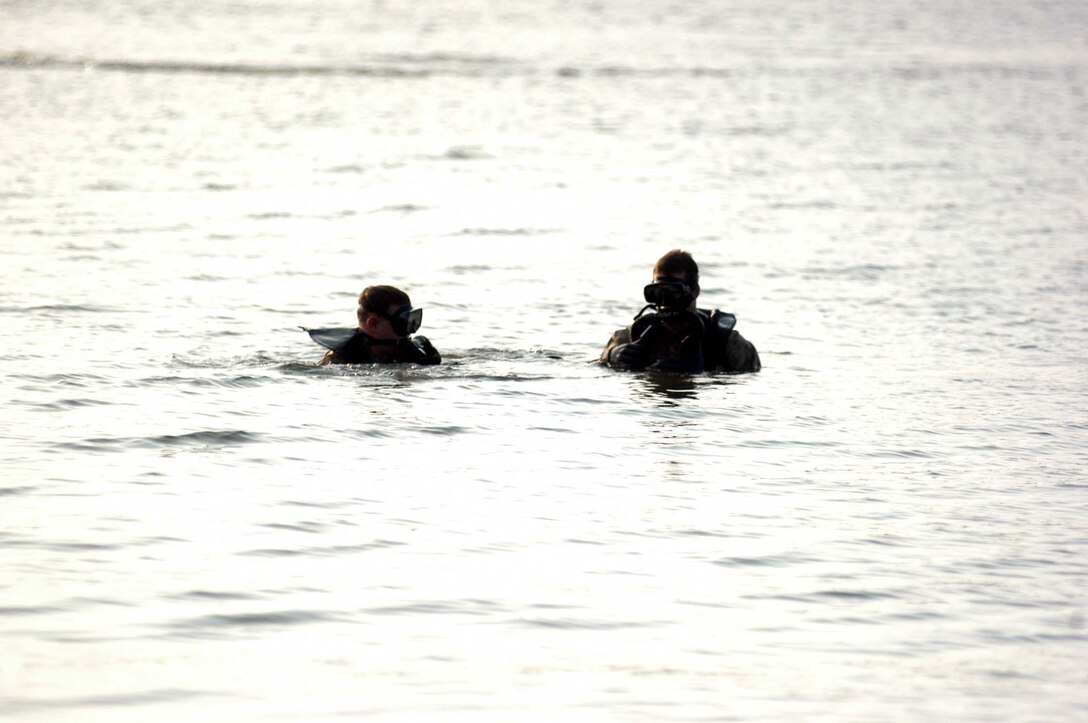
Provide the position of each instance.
(417, 350)
(629, 356)
(430, 354)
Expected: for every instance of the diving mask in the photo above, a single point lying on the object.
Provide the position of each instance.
(405, 321)
(668, 294)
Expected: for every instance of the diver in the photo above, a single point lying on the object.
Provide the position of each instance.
(678, 336)
(386, 322)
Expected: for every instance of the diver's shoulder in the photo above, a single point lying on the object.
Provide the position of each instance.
(729, 349)
(621, 336)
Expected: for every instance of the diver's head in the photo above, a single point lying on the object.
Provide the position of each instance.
(386, 313)
(676, 283)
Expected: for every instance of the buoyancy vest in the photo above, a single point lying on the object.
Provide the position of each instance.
(354, 347)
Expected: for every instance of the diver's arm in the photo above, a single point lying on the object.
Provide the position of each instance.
(331, 357)
(621, 336)
(621, 353)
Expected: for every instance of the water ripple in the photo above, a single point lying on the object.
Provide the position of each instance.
(58, 309)
(460, 607)
(261, 619)
(13, 705)
(400, 65)
(213, 595)
(764, 561)
(61, 405)
(328, 551)
(64, 546)
(29, 610)
(17, 490)
(308, 527)
(225, 626)
(584, 624)
(855, 595)
(506, 231)
(205, 438)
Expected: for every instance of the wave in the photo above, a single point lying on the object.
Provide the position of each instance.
(765, 561)
(29, 610)
(464, 65)
(441, 607)
(62, 405)
(203, 439)
(214, 595)
(217, 625)
(506, 231)
(394, 66)
(56, 308)
(586, 624)
(389, 66)
(120, 700)
(16, 490)
(326, 551)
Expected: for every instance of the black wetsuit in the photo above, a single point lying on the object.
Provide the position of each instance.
(713, 345)
(352, 346)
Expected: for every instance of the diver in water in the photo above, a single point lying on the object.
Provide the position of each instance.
(678, 336)
(386, 322)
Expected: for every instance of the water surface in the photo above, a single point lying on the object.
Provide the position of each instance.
(886, 523)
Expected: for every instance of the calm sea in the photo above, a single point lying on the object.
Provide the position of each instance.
(888, 523)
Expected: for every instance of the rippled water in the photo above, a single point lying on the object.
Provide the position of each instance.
(886, 523)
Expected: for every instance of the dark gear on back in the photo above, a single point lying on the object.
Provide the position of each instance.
(352, 346)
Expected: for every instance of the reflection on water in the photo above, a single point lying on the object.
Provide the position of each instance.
(669, 389)
(665, 388)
